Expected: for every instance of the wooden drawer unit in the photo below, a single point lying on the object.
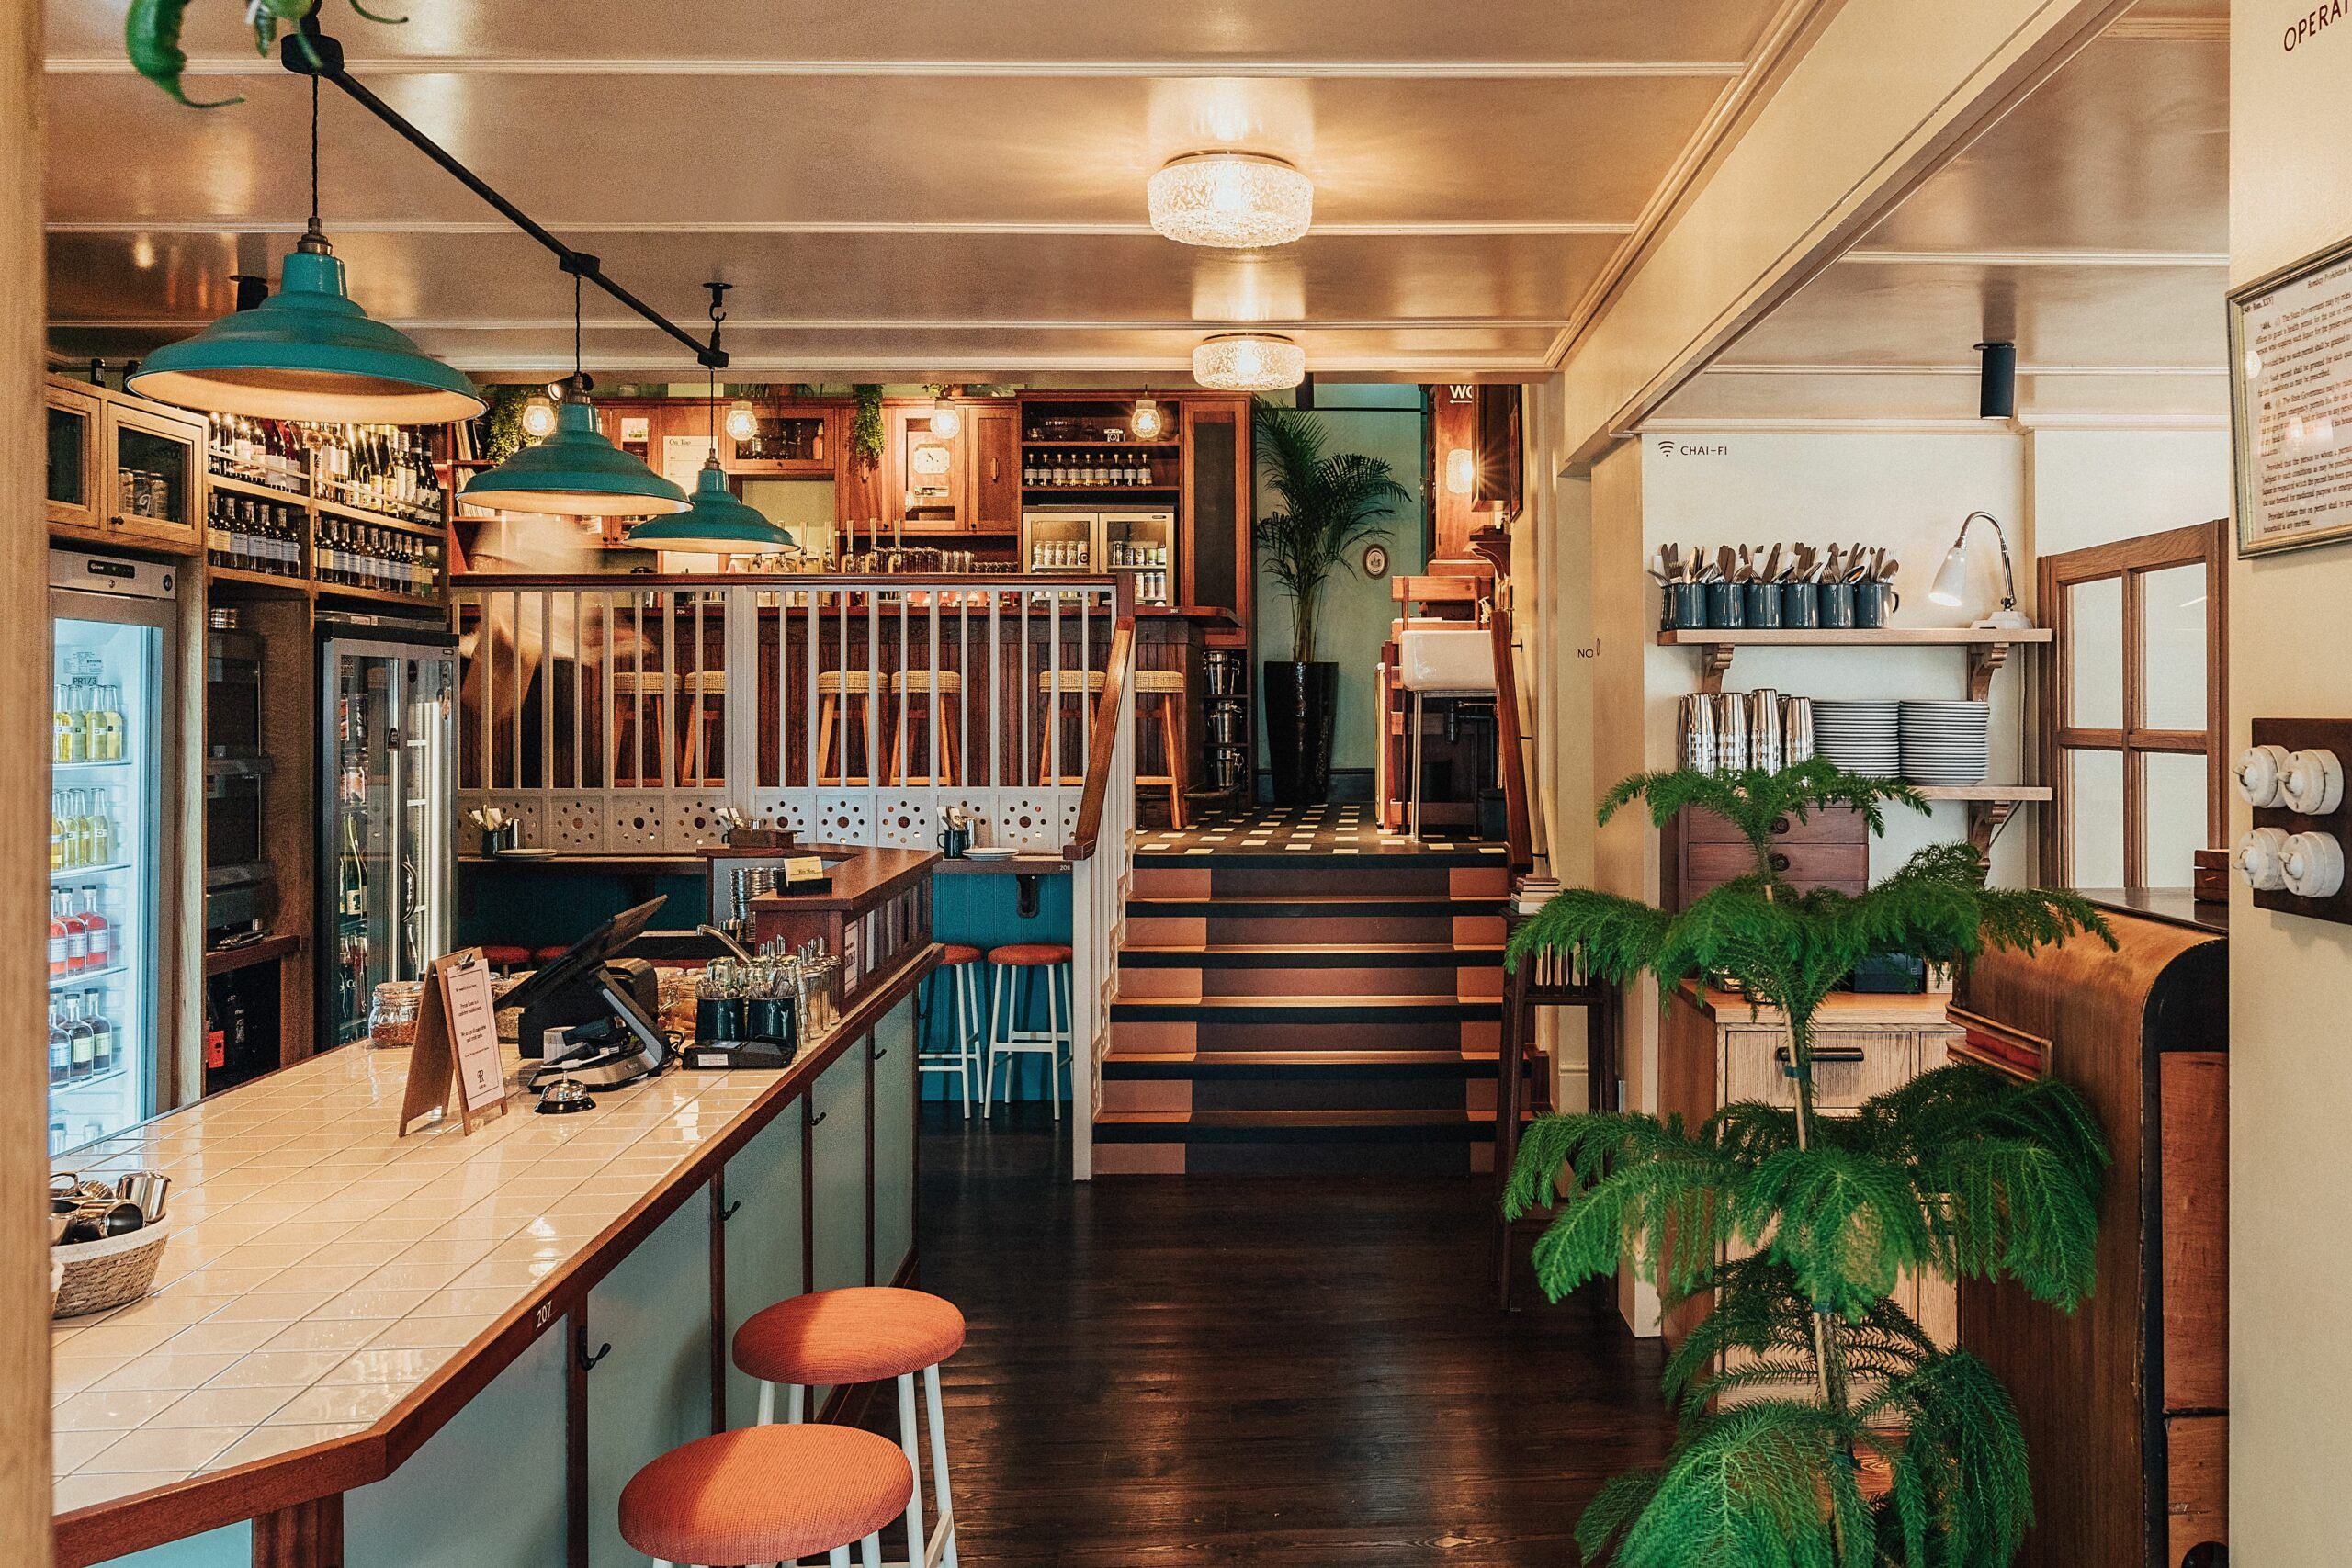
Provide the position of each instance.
(1699, 852)
(1849, 1065)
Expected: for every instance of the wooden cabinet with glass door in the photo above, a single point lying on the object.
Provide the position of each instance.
(924, 453)
(122, 470)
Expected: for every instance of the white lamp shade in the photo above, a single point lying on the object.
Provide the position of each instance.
(1951, 586)
(1461, 471)
(1248, 361)
(1232, 200)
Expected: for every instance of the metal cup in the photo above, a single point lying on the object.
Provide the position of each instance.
(1796, 730)
(1838, 605)
(148, 1189)
(1731, 732)
(1724, 607)
(1685, 605)
(1699, 733)
(1760, 601)
(1799, 604)
(1764, 745)
(1875, 604)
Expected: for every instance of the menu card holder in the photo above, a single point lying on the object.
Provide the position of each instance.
(457, 1046)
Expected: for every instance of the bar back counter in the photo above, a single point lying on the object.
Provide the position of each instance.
(453, 1349)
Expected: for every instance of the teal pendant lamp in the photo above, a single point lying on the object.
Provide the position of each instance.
(576, 472)
(308, 352)
(716, 523)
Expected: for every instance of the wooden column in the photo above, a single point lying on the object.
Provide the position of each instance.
(24, 781)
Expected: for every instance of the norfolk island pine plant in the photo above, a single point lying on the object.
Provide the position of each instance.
(1963, 1171)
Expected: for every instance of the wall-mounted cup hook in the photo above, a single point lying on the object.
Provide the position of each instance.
(588, 1361)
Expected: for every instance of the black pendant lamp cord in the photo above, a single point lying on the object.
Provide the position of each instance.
(717, 314)
(575, 327)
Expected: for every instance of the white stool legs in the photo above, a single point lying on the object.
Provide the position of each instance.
(936, 1550)
(1005, 1040)
(964, 1060)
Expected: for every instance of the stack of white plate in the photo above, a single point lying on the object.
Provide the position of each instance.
(1860, 736)
(1946, 743)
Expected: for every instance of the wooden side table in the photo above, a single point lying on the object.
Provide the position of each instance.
(1544, 981)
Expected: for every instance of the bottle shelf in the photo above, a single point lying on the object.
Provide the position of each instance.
(79, 767)
(84, 977)
(92, 870)
(378, 595)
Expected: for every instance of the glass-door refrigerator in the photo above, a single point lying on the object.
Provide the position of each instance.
(388, 788)
(115, 949)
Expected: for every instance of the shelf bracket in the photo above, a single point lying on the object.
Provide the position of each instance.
(1715, 663)
(1985, 820)
(1984, 659)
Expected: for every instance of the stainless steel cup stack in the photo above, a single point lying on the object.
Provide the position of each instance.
(1796, 730)
(1764, 741)
(1732, 753)
(1698, 728)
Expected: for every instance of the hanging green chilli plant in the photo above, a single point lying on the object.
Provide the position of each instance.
(150, 36)
(1799, 1223)
(866, 428)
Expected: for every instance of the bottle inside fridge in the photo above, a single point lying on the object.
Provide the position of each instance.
(105, 951)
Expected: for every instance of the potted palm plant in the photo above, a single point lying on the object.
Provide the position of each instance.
(1324, 506)
(1805, 1377)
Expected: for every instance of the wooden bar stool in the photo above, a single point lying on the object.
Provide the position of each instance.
(1166, 689)
(1007, 967)
(767, 1495)
(705, 692)
(864, 1334)
(1051, 693)
(633, 689)
(960, 965)
(911, 687)
(840, 695)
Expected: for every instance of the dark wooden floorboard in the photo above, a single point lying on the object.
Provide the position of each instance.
(1214, 1371)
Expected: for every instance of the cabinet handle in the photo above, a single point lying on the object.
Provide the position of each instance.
(818, 1120)
(994, 473)
(1824, 1054)
(1779, 863)
(1782, 824)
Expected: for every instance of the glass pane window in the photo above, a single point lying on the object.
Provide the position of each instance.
(2096, 657)
(2094, 817)
(2172, 648)
(2173, 789)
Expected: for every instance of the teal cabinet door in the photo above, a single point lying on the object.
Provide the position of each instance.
(837, 1166)
(231, 1546)
(764, 1238)
(893, 1049)
(486, 1488)
(652, 1393)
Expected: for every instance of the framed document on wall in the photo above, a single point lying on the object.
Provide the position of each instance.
(2290, 404)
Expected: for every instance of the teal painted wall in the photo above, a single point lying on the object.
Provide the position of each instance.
(1356, 611)
(228, 1547)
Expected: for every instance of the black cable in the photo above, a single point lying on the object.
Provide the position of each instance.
(315, 156)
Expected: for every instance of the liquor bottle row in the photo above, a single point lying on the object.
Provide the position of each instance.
(378, 468)
(1084, 470)
(252, 535)
(1151, 588)
(1130, 552)
(359, 555)
(82, 1042)
(87, 723)
(81, 939)
(1058, 555)
(82, 829)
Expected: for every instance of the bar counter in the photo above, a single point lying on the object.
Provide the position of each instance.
(400, 1329)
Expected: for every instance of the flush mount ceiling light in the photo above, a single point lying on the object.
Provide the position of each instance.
(1232, 200)
(1461, 471)
(576, 472)
(538, 418)
(1248, 361)
(1147, 421)
(946, 423)
(715, 524)
(308, 352)
(743, 420)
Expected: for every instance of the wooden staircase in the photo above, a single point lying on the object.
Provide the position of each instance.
(1315, 1013)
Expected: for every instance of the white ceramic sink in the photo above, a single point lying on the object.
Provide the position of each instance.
(1455, 660)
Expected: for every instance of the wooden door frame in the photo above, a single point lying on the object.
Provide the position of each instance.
(2130, 560)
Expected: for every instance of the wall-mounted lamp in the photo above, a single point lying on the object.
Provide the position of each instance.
(743, 420)
(946, 423)
(1148, 421)
(1997, 382)
(1462, 471)
(538, 418)
(1952, 578)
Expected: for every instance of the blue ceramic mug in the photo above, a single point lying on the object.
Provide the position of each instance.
(1685, 605)
(1763, 603)
(1875, 604)
(1723, 605)
(1799, 604)
(1837, 604)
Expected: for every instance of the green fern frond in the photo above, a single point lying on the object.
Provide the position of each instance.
(1619, 1500)
(1960, 1491)
(1746, 1489)
(1845, 1224)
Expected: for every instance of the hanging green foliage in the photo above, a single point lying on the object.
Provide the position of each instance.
(1961, 1172)
(499, 428)
(151, 38)
(865, 425)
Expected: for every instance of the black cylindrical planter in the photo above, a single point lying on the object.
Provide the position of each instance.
(1302, 705)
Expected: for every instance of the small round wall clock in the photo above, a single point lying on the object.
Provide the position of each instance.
(1375, 561)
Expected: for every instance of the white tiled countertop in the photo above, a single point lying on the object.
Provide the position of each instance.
(321, 1270)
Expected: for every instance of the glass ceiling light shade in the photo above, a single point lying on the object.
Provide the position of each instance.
(1248, 361)
(574, 473)
(743, 420)
(1148, 423)
(308, 352)
(1232, 200)
(945, 422)
(538, 418)
(716, 524)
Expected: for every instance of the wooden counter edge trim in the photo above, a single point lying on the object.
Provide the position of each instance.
(115, 1529)
(821, 582)
(1118, 667)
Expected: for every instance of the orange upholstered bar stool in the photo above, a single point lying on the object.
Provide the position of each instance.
(1008, 967)
(864, 1334)
(767, 1495)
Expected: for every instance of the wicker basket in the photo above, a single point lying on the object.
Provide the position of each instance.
(102, 1274)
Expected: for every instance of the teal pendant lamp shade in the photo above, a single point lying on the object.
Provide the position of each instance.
(574, 473)
(716, 524)
(308, 352)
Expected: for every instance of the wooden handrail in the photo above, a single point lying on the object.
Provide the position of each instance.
(1118, 667)
(817, 582)
(1518, 827)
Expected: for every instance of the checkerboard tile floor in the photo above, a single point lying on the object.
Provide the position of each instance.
(1331, 829)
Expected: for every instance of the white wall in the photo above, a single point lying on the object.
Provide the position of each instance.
(1905, 491)
(2094, 487)
(2291, 1077)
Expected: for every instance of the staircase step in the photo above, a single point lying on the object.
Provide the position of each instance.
(1321, 1143)
(1312, 907)
(1304, 1009)
(1319, 955)
(1207, 1065)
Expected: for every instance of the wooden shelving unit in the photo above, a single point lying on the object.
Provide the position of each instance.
(1988, 647)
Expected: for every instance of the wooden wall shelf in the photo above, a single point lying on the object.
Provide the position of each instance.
(1988, 647)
